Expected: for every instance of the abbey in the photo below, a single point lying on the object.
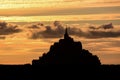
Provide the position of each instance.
(67, 51)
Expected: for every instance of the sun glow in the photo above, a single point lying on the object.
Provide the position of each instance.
(60, 18)
(7, 4)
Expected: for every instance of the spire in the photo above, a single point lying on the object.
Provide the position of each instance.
(66, 32)
(66, 36)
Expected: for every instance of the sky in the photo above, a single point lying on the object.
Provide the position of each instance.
(29, 27)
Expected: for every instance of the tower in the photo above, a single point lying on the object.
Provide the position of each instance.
(66, 36)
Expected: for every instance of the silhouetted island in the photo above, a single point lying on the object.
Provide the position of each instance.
(67, 51)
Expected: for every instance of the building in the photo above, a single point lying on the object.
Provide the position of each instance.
(67, 51)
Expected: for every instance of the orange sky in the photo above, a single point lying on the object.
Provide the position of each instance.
(18, 47)
(48, 8)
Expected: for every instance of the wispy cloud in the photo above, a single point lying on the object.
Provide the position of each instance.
(7, 28)
(103, 31)
(56, 30)
(61, 18)
(58, 11)
(7, 4)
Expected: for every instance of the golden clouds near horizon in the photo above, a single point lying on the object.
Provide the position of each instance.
(20, 44)
(60, 18)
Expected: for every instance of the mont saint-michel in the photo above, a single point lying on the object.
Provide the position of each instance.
(67, 51)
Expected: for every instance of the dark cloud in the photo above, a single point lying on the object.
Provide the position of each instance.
(7, 28)
(103, 31)
(35, 25)
(50, 32)
(2, 37)
(56, 30)
(102, 34)
(105, 26)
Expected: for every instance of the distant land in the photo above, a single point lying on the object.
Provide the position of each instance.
(61, 64)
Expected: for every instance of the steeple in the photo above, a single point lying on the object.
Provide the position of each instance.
(66, 36)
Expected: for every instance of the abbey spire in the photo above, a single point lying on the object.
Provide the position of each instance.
(66, 36)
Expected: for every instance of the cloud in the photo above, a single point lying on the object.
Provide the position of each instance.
(103, 31)
(61, 11)
(2, 37)
(54, 31)
(35, 26)
(8, 28)
(102, 34)
(105, 26)
(57, 31)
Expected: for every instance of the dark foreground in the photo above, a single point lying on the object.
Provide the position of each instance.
(29, 72)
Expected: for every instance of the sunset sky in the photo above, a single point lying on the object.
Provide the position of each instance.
(29, 28)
